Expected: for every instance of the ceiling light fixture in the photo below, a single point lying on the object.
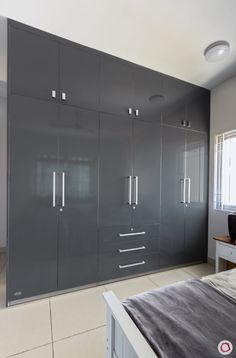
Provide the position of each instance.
(217, 51)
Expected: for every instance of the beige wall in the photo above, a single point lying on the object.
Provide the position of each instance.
(223, 118)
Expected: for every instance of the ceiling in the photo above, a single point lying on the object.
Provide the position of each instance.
(165, 35)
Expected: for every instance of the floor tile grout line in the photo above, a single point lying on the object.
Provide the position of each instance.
(29, 350)
(79, 333)
(50, 310)
(154, 283)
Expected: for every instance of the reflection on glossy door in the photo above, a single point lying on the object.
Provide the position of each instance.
(78, 175)
(115, 171)
(172, 247)
(196, 195)
(146, 181)
(32, 215)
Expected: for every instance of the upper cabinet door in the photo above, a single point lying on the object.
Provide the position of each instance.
(79, 77)
(198, 109)
(176, 93)
(146, 178)
(148, 92)
(33, 64)
(117, 86)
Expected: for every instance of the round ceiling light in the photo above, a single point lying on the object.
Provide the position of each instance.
(217, 51)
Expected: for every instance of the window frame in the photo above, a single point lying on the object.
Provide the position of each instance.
(218, 200)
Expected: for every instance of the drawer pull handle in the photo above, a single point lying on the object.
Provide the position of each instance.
(132, 265)
(133, 233)
(132, 249)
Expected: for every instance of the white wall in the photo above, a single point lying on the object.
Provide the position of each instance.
(223, 118)
(166, 35)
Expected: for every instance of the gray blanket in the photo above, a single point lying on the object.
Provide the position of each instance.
(185, 320)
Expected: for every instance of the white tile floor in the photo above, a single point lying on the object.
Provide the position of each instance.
(73, 325)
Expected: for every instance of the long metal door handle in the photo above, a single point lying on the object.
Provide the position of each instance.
(133, 233)
(54, 189)
(189, 190)
(129, 190)
(132, 265)
(132, 249)
(63, 96)
(63, 189)
(136, 190)
(183, 190)
(54, 94)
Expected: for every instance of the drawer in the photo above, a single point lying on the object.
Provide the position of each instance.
(128, 248)
(114, 233)
(227, 251)
(112, 268)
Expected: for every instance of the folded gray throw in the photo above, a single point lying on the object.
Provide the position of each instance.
(185, 320)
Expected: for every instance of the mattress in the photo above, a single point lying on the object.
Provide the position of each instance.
(187, 319)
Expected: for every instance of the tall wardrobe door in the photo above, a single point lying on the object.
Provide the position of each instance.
(147, 172)
(32, 212)
(79, 76)
(78, 153)
(33, 64)
(148, 92)
(115, 168)
(196, 195)
(117, 86)
(172, 227)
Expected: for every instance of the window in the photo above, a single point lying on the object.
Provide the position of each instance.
(225, 172)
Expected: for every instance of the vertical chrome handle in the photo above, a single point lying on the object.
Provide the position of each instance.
(63, 96)
(63, 190)
(130, 111)
(54, 94)
(136, 112)
(183, 190)
(189, 190)
(129, 190)
(54, 189)
(136, 190)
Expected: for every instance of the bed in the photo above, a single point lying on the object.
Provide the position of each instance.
(193, 319)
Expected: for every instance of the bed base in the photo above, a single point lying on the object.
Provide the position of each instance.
(124, 340)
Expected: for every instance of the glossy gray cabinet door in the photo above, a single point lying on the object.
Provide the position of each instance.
(172, 243)
(79, 76)
(78, 156)
(148, 94)
(117, 86)
(196, 196)
(115, 168)
(176, 93)
(146, 173)
(198, 109)
(33, 64)
(32, 231)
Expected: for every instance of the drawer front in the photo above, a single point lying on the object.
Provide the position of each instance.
(228, 252)
(149, 232)
(113, 268)
(128, 248)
